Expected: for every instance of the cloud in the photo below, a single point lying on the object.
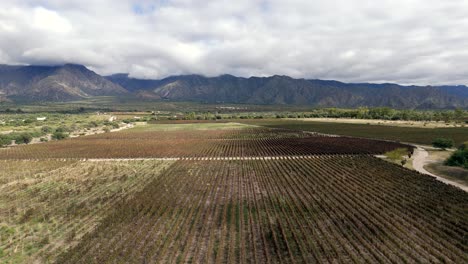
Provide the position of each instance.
(50, 21)
(404, 41)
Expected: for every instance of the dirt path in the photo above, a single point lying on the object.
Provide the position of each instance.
(420, 159)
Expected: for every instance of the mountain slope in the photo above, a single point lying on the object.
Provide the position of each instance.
(53, 83)
(72, 82)
(286, 90)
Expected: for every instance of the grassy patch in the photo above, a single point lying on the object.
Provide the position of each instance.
(397, 154)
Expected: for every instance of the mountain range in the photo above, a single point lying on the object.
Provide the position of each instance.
(72, 82)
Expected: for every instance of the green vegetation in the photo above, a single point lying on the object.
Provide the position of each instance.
(442, 143)
(17, 138)
(397, 154)
(57, 135)
(383, 113)
(201, 111)
(22, 128)
(460, 157)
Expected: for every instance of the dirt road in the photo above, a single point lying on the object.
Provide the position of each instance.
(420, 159)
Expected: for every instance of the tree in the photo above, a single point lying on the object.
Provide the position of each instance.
(190, 116)
(459, 114)
(442, 143)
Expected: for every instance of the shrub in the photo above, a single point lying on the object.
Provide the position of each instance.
(57, 135)
(464, 146)
(442, 143)
(4, 141)
(62, 129)
(93, 124)
(23, 138)
(459, 158)
(46, 129)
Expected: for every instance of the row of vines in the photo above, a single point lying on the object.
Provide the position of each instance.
(47, 206)
(256, 142)
(332, 209)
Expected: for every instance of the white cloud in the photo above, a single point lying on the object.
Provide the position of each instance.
(406, 41)
(50, 21)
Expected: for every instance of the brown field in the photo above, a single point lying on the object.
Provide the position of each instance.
(152, 143)
(322, 199)
(324, 209)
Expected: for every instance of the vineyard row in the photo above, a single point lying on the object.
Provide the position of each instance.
(331, 209)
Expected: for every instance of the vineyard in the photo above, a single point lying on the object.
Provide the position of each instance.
(326, 209)
(404, 134)
(151, 143)
(47, 206)
(234, 194)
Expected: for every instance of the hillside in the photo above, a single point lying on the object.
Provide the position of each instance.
(286, 90)
(74, 82)
(53, 83)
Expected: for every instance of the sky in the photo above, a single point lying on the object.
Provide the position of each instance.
(404, 41)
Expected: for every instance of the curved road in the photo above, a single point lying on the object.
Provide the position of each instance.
(420, 159)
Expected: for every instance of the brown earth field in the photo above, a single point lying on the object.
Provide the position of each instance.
(244, 195)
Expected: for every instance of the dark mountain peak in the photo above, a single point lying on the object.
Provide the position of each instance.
(74, 65)
(276, 76)
(77, 68)
(227, 77)
(55, 83)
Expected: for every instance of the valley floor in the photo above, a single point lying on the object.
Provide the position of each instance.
(208, 194)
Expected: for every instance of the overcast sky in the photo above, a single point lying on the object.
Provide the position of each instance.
(404, 41)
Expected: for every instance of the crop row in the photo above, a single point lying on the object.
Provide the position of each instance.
(331, 209)
(420, 135)
(44, 211)
(155, 144)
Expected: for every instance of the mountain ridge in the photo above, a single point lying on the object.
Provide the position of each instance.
(279, 89)
(73, 82)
